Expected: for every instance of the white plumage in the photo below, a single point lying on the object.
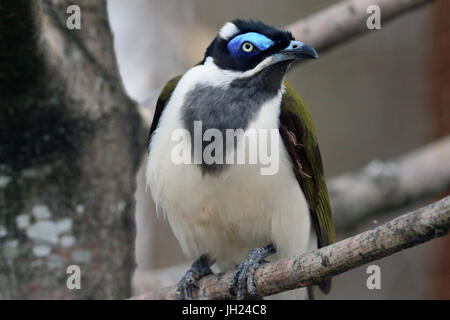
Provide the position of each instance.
(228, 30)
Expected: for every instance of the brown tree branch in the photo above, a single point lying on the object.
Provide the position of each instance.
(313, 267)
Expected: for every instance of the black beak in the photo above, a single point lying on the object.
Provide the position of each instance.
(295, 50)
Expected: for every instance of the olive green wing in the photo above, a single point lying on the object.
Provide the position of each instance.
(297, 132)
(163, 98)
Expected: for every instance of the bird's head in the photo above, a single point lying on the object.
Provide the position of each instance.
(247, 48)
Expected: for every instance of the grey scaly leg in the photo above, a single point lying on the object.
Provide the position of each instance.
(244, 275)
(198, 270)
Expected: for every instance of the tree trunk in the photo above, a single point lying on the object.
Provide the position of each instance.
(69, 153)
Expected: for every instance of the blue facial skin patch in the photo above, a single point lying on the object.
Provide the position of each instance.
(261, 42)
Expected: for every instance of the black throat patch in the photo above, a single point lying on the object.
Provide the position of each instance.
(233, 107)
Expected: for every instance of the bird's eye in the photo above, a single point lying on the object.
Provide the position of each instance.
(247, 47)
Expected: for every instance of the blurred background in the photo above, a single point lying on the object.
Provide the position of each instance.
(376, 97)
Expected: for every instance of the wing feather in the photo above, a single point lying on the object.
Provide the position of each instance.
(163, 99)
(297, 132)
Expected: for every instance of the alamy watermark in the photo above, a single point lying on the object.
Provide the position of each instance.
(373, 22)
(74, 280)
(229, 146)
(73, 22)
(374, 280)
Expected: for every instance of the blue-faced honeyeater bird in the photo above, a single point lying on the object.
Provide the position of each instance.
(230, 214)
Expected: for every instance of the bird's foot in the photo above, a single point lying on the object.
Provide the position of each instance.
(243, 278)
(198, 270)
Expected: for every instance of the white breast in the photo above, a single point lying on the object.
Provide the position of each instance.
(227, 214)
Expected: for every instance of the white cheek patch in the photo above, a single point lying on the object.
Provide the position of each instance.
(223, 77)
(228, 31)
(259, 67)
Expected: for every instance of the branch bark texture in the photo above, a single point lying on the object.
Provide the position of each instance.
(313, 267)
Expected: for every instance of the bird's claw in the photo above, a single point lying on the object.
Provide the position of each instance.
(185, 286)
(198, 270)
(243, 278)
